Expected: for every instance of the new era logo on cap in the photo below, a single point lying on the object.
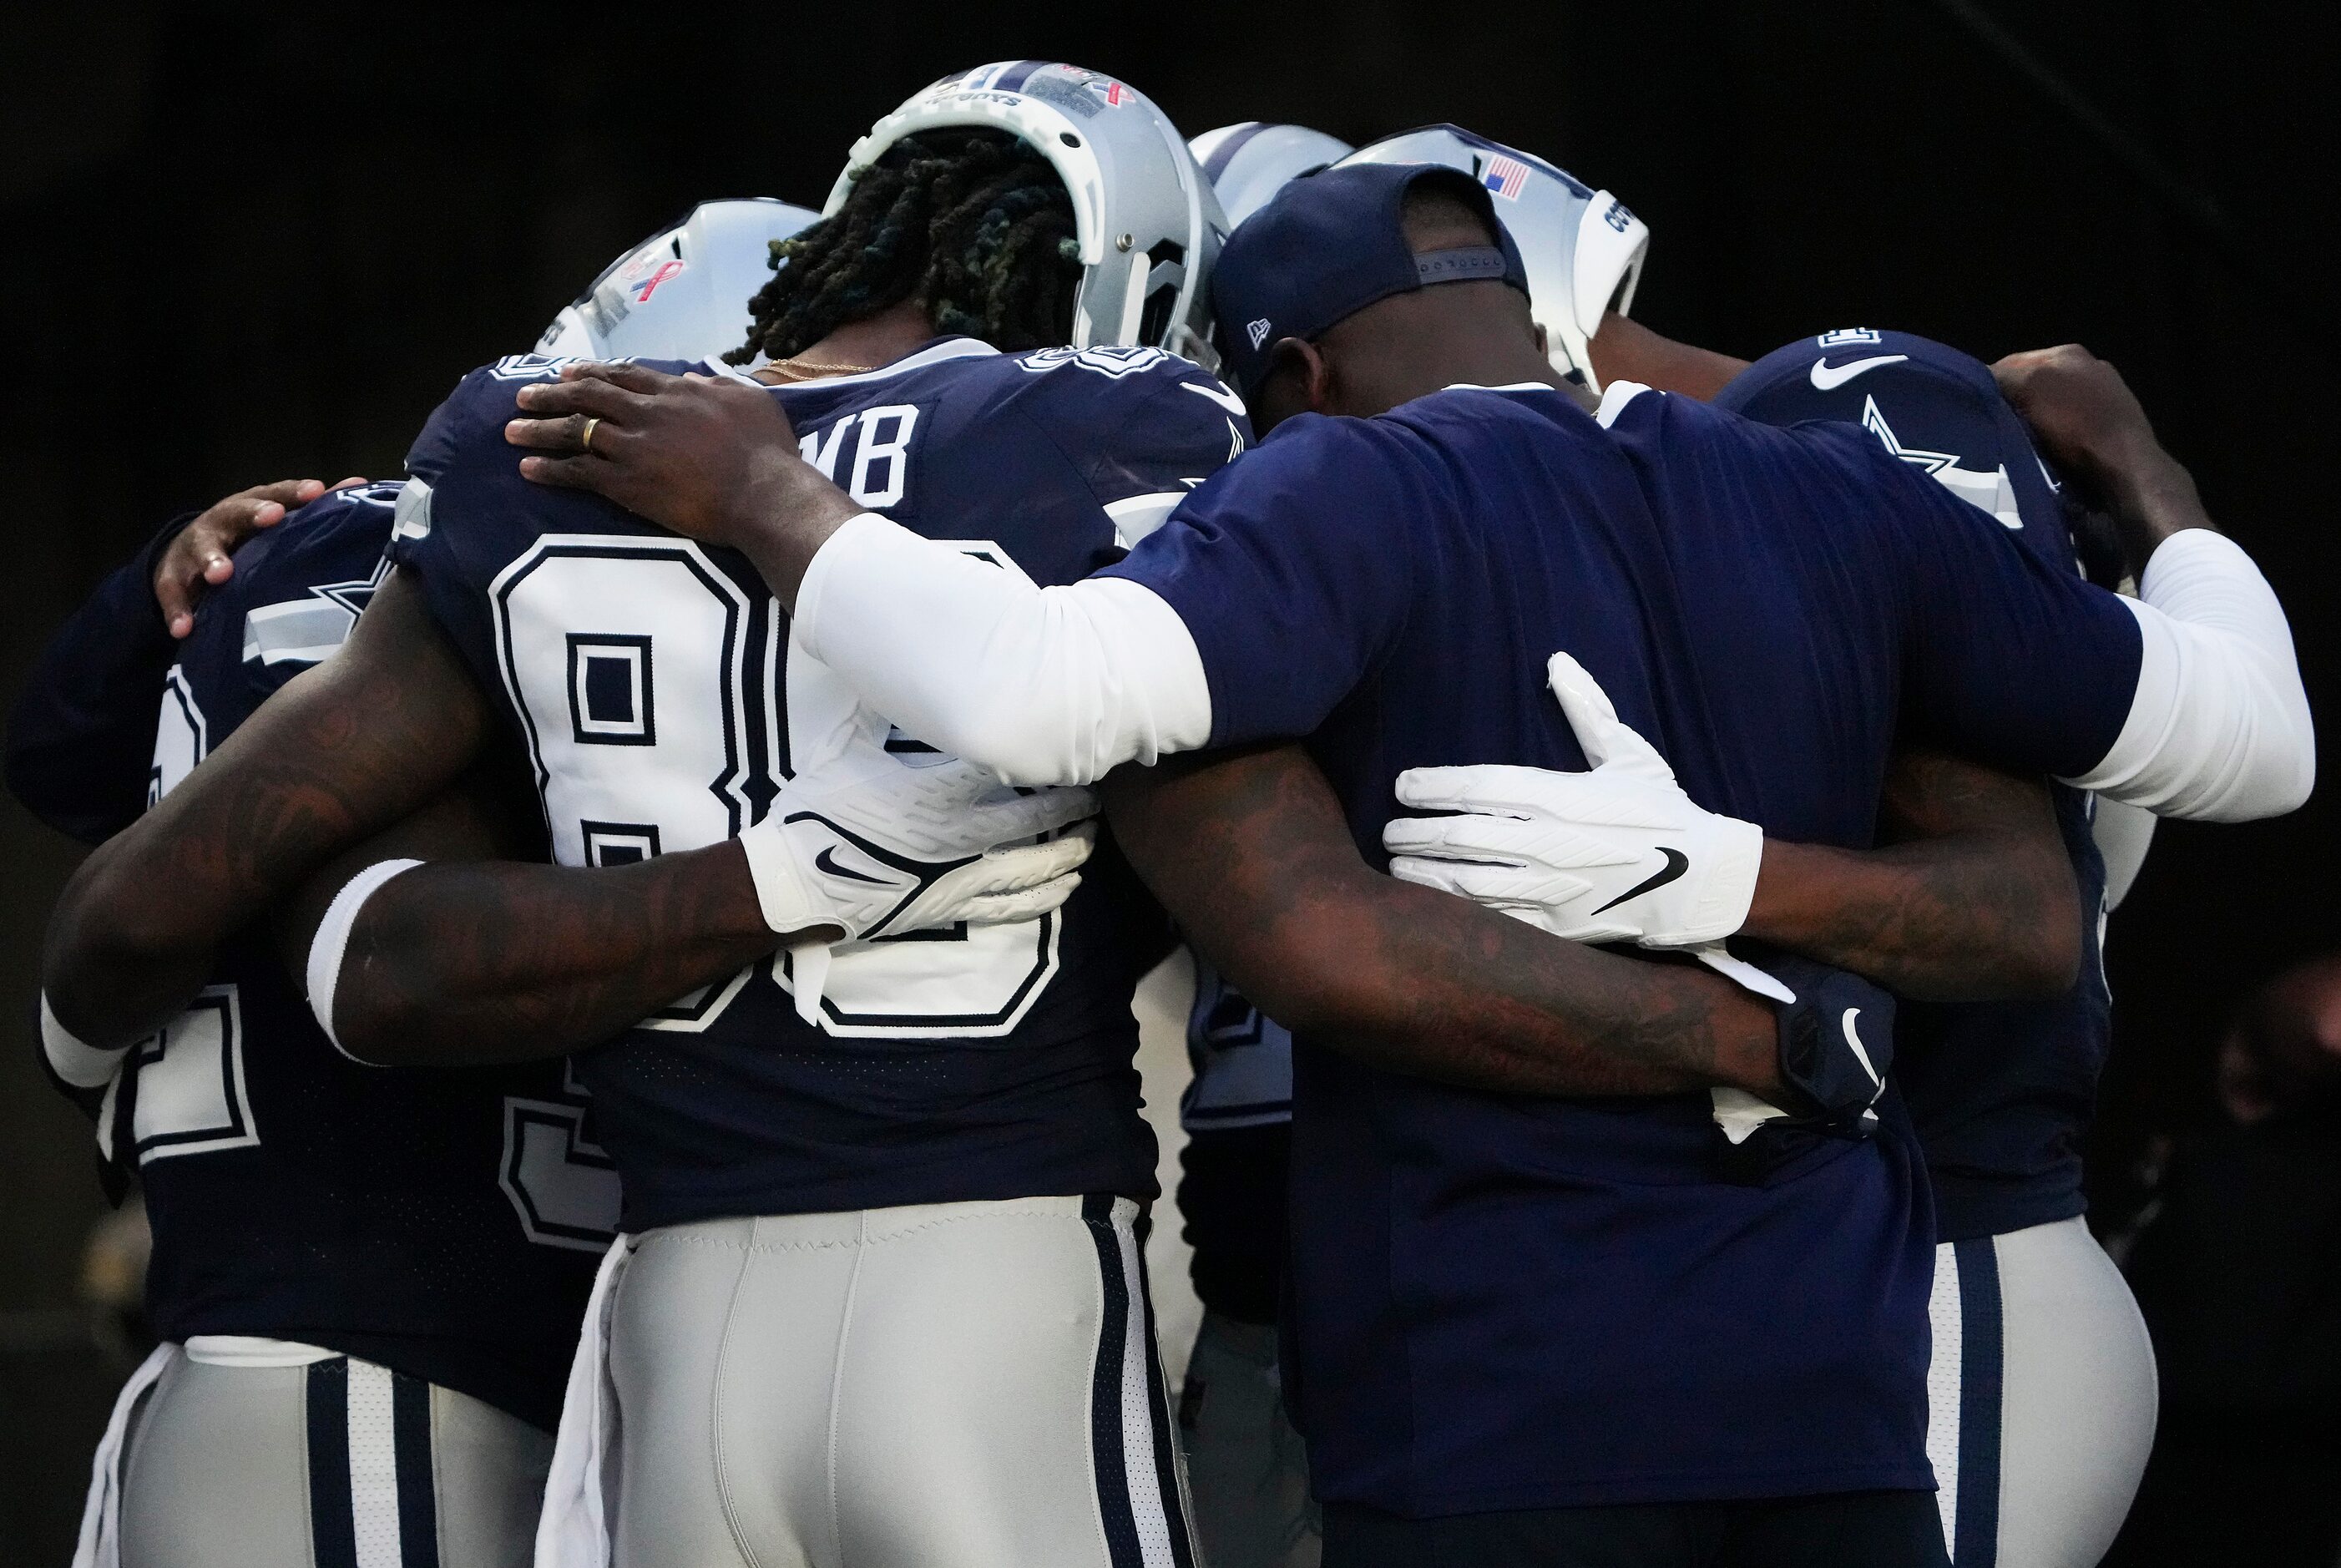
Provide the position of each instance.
(1257, 332)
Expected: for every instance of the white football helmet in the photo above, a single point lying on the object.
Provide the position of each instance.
(681, 294)
(1249, 162)
(1144, 217)
(1582, 247)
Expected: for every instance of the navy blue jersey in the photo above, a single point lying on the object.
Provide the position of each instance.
(2002, 1094)
(1503, 1303)
(657, 689)
(443, 1224)
(1237, 1115)
(82, 734)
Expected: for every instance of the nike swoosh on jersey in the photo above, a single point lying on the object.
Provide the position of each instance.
(1219, 394)
(1676, 864)
(826, 861)
(1827, 377)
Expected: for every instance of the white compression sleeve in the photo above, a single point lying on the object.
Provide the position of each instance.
(325, 948)
(72, 1058)
(1042, 685)
(2218, 729)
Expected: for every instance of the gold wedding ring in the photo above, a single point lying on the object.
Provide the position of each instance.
(585, 436)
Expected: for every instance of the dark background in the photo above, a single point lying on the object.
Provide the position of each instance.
(241, 246)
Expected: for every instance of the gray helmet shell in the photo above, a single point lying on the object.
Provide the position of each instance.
(1249, 162)
(1146, 222)
(1583, 248)
(683, 293)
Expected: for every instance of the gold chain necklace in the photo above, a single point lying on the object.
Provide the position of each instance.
(796, 367)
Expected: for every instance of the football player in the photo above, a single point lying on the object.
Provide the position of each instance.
(1246, 1467)
(882, 1292)
(365, 1296)
(1999, 1093)
(367, 1284)
(2044, 1386)
(1337, 583)
(982, 1132)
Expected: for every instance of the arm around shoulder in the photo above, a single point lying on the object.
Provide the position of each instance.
(343, 750)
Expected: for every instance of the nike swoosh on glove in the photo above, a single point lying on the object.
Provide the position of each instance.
(1836, 1045)
(867, 844)
(1616, 854)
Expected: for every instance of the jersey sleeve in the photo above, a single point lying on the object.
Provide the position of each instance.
(1143, 428)
(1293, 572)
(316, 572)
(81, 739)
(433, 456)
(2006, 657)
(1189, 430)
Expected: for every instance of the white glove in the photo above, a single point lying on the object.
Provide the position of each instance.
(1619, 853)
(874, 846)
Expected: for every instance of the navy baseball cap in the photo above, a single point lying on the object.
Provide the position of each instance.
(1331, 244)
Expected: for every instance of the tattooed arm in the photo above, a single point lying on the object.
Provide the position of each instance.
(341, 752)
(1250, 853)
(1977, 902)
(477, 957)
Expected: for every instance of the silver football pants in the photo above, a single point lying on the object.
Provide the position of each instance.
(946, 1385)
(1247, 1467)
(338, 1464)
(2042, 1394)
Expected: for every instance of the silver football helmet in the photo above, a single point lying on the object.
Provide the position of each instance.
(1583, 249)
(1144, 217)
(1249, 162)
(682, 293)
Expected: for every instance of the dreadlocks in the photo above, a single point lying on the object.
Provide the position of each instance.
(975, 225)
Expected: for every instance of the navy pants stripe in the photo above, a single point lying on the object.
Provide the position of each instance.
(1980, 1363)
(333, 1530)
(348, 1511)
(1105, 1391)
(418, 1497)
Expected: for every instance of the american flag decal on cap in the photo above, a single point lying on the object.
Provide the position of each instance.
(1507, 177)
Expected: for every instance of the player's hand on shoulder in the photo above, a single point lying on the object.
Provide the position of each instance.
(202, 556)
(1616, 854)
(690, 453)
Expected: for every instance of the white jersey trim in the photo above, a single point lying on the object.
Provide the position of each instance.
(252, 1350)
(1614, 401)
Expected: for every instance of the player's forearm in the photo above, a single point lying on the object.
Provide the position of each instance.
(1940, 920)
(492, 961)
(2147, 493)
(784, 518)
(343, 750)
(1249, 854)
(1978, 903)
(1423, 983)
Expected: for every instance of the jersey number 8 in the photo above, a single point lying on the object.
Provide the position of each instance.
(660, 705)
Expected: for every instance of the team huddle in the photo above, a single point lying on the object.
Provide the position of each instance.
(613, 969)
